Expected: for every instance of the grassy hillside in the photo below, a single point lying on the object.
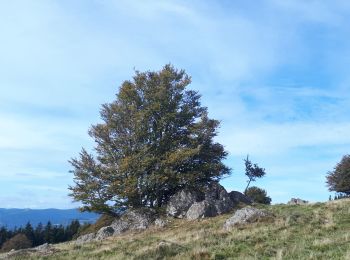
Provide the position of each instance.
(316, 231)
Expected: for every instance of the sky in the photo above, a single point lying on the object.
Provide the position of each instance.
(275, 73)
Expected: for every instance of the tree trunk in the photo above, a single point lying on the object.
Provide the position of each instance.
(246, 188)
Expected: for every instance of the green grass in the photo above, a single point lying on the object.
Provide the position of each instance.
(316, 231)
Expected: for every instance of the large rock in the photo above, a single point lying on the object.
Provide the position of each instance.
(181, 201)
(44, 251)
(217, 196)
(212, 201)
(215, 191)
(43, 247)
(138, 219)
(201, 210)
(239, 197)
(105, 232)
(223, 206)
(297, 201)
(244, 216)
(85, 238)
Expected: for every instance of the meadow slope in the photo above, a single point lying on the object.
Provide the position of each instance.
(314, 231)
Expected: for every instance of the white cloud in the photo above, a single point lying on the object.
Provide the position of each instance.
(69, 57)
(18, 132)
(280, 138)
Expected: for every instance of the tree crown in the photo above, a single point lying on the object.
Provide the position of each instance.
(155, 139)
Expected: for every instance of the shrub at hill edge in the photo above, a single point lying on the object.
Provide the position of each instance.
(258, 195)
(19, 241)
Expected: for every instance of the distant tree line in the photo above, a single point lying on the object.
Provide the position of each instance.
(27, 236)
(339, 196)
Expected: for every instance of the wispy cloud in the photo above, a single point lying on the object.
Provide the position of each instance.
(276, 75)
(279, 138)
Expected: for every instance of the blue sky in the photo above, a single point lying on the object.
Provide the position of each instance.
(274, 72)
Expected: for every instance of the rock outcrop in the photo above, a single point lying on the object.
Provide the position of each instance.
(104, 232)
(239, 197)
(201, 210)
(85, 238)
(297, 201)
(139, 219)
(217, 196)
(44, 250)
(181, 201)
(212, 201)
(160, 223)
(244, 216)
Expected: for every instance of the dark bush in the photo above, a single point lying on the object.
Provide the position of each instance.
(19, 241)
(258, 195)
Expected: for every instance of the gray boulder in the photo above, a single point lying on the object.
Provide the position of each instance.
(104, 232)
(297, 201)
(201, 210)
(244, 216)
(181, 201)
(85, 238)
(139, 219)
(120, 226)
(43, 247)
(216, 202)
(239, 197)
(223, 206)
(217, 196)
(160, 223)
(212, 201)
(43, 250)
(215, 191)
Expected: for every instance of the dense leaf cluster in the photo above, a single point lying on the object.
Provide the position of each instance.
(28, 236)
(155, 139)
(338, 180)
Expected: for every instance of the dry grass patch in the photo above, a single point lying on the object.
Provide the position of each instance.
(317, 231)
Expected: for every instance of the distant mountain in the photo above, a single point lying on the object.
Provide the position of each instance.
(19, 217)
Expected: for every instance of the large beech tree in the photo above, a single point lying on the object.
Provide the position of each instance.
(155, 139)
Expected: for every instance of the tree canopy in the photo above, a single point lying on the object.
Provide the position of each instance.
(155, 139)
(338, 180)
